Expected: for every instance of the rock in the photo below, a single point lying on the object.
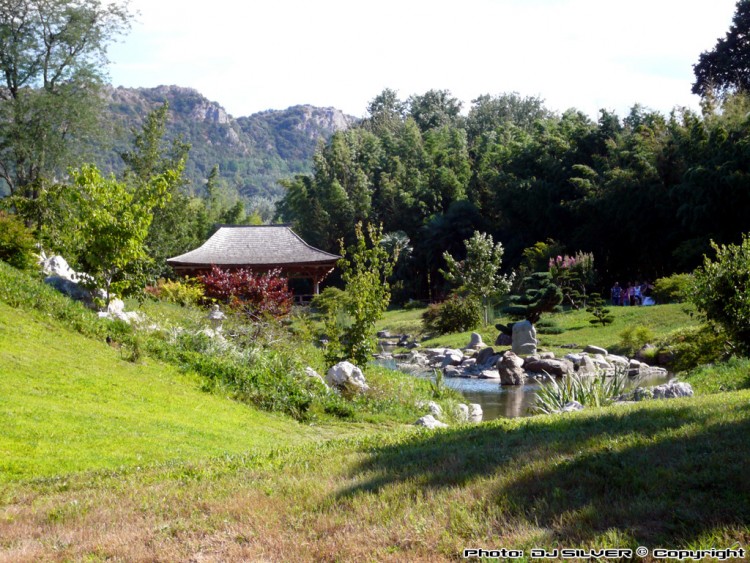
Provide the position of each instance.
(435, 409)
(70, 289)
(429, 422)
(575, 358)
(655, 371)
(556, 368)
(452, 371)
(412, 345)
(475, 341)
(510, 368)
(418, 359)
(475, 413)
(468, 362)
(489, 374)
(547, 355)
(572, 406)
(384, 334)
(484, 356)
(590, 349)
(524, 338)
(58, 266)
(587, 366)
(462, 412)
(452, 358)
(672, 390)
(347, 377)
(617, 360)
(315, 376)
(636, 368)
(503, 340)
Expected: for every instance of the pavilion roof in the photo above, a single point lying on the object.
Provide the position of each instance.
(261, 245)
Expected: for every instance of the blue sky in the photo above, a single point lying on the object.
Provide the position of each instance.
(589, 54)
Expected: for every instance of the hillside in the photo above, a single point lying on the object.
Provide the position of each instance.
(252, 152)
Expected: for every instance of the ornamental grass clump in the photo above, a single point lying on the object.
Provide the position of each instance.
(590, 390)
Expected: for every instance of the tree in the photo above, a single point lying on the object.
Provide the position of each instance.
(52, 55)
(539, 295)
(113, 222)
(478, 274)
(434, 109)
(721, 290)
(365, 269)
(727, 67)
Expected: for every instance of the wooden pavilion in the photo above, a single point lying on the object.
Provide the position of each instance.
(258, 249)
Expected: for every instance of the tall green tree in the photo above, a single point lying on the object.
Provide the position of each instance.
(726, 68)
(52, 58)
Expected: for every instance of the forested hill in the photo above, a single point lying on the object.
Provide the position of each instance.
(252, 152)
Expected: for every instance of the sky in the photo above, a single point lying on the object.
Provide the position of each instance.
(251, 56)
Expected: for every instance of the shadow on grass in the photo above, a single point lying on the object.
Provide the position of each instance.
(660, 474)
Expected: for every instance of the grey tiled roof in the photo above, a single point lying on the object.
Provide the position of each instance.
(253, 245)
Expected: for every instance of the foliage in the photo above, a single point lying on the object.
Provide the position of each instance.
(574, 275)
(635, 337)
(330, 300)
(17, 245)
(540, 295)
(53, 56)
(256, 295)
(455, 314)
(597, 307)
(186, 292)
(113, 223)
(727, 66)
(589, 390)
(364, 269)
(688, 348)
(672, 289)
(731, 374)
(721, 291)
(478, 274)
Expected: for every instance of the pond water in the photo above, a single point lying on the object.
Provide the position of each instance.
(504, 401)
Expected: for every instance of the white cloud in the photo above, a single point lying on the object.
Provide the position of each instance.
(585, 53)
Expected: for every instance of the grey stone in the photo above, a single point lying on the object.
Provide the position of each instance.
(595, 350)
(475, 413)
(510, 368)
(315, 376)
(617, 360)
(384, 334)
(673, 390)
(462, 412)
(429, 422)
(524, 338)
(452, 358)
(435, 409)
(547, 355)
(556, 368)
(347, 377)
(476, 341)
(572, 406)
(69, 288)
(452, 371)
(489, 374)
(468, 362)
(503, 340)
(587, 366)
(484, 356)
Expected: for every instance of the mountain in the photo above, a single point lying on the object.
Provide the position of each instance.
(252, 152)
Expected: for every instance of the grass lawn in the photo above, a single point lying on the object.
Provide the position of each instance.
(659, 474)
(68, 403)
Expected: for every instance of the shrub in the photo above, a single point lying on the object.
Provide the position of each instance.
(255, 295)
(691, 347)
(330, 300)
(633, 338)
(184, 293)
(456, 314)
(721, 291)
(16, 242)
(672, 289)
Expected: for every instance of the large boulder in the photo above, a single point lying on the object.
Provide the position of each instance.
(556, 368)
(510, 368)
(57, 266)
(315, 376)
(524, 338)
(484, 356)
(347, 378)
(70, 289)
(590, 349)
(503, 340)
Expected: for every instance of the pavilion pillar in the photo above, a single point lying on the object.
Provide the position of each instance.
(316, 285)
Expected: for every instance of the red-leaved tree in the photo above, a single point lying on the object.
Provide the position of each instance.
(257, 295)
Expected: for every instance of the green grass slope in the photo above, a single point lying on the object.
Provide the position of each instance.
(69, 403)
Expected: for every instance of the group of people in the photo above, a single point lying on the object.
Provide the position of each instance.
(634, 294)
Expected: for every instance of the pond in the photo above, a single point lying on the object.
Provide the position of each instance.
(504, 401)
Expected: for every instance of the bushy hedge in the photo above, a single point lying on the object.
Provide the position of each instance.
(673, 289)
(455, 314)
(17, 244)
